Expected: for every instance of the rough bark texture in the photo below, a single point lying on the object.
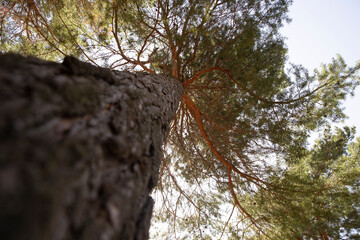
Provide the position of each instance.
(80, 149)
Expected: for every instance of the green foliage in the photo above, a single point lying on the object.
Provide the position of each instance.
(52, 29)
(320, 191)
(237, 164)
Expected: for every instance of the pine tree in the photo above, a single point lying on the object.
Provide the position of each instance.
(243, 118)
(320, 194)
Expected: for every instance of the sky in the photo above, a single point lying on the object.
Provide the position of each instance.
(319, 30)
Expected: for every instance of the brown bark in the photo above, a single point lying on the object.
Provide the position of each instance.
(324, 236)
(80, 148)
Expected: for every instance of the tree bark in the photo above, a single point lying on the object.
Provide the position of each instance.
(80, 148)
(324, 236)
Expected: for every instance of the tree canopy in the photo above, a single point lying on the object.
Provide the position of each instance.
(237, 162)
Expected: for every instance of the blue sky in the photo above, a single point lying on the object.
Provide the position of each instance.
(319, 30)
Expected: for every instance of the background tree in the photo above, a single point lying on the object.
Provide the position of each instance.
(322, 196)
(240, 112)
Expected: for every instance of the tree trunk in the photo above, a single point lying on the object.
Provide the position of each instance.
(80, 148)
